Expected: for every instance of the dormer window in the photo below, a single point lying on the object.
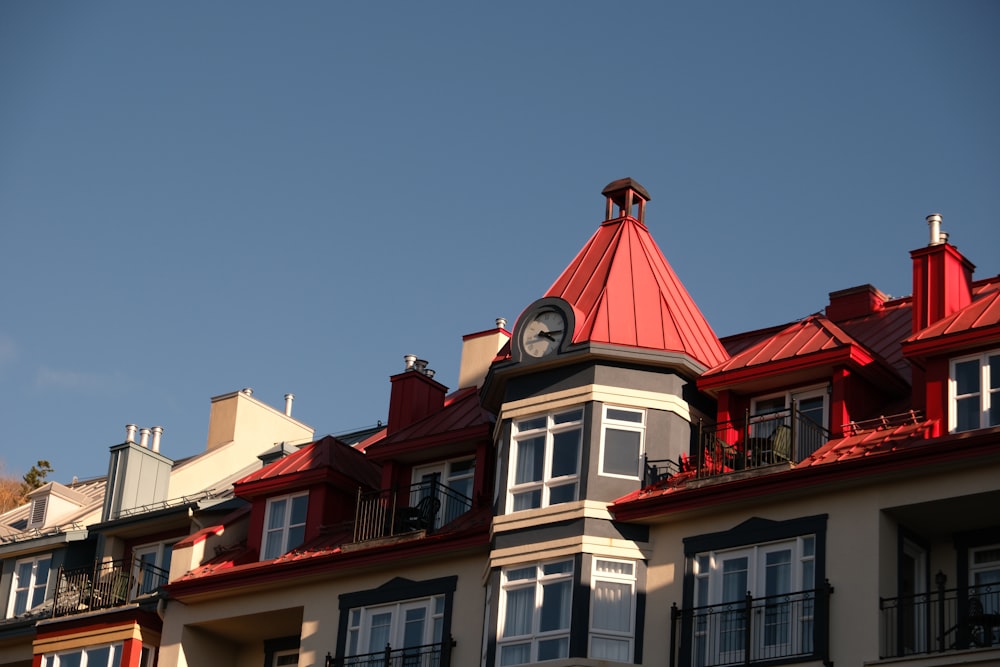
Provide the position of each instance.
(974, 392)
(284, 524)
(545, 460)
(810, 409)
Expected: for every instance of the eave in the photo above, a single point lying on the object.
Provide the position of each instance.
(293, 481)
(957, 448)
(430, 445)
(951, 343)
(271, 574)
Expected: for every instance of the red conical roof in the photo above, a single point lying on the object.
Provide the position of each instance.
(625, 292)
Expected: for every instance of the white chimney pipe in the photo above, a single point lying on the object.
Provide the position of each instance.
(157, 432)
(420, 365)
(288, 404)
(501, 323)
(247, 390)
(429, 373)
(411, 360)
(934, 220)
(144, 437)
(130, 430)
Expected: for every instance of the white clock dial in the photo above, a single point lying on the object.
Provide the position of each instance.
(543, 334)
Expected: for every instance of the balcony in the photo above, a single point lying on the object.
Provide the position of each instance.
(105, 585)
(425, 506)
(944, 620)
(776, 439)
(753, 630)
(428, 655)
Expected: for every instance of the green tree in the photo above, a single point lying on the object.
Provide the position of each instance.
(35, 477)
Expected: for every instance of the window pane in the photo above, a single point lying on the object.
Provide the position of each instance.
(70, 659)
(378, 637)
(565, 452)
(967, 413)
(562, 567)
(515, 654)
(610, 649)
(98, 657)
(520, 608)
(612, 606)
(551, 649)
(299, 504)
(295, 537)
(566, 417)
(562, 494)
(555, 606)
(778, 573)
(530, 457)
(614, 567)
(276, 518)
(531, 424)
(994, 363)
(967, 377)
(527, 500)
(625, 415)
(521, 574)
(621, 452)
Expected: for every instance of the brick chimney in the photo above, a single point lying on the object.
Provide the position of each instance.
(415, 395)
(942, 278)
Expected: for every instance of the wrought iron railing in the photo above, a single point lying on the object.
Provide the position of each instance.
(752, 630)
(105, 585)
(424, 506)
(942, 620)
(787, 436)
(428, 655)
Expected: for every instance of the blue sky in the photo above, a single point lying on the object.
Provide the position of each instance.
(199, 197)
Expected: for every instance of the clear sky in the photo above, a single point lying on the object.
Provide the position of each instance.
(197, 197)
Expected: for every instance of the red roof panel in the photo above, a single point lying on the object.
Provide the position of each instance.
(626, 294)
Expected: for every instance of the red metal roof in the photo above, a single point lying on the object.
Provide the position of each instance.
(867, 443)
(625, 293)
(461, 411)
(982, 313)
(810, 343)
(327, 452)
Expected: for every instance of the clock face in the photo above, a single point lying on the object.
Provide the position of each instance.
(543, 334)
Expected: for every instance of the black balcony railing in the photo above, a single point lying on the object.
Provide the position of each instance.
(752, 630)
(428, 655)
(105, 585)
(424, 506)
(954, 619)
(787, 436)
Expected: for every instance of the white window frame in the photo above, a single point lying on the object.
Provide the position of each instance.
(278, 655)
(161, 552)
(86, 659)
(628, 578)
(359, 626)
(559, 572)
(553, 427)
(609, 423)
(16, 585)
(708, 574)
(987, 395)
(282, 532)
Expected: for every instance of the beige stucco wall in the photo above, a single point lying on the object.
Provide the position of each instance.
(861, 550)
(189, 642)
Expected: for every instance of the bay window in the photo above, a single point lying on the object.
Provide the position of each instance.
(974, 392)
(545, 460)
(535, 612)
(284, 524)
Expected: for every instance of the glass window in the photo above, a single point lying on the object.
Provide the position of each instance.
(450, 482)
(109, 655)
(974, 392)
(622, 442)
(410, 629)
(284, 524)
(612, 610)
(545, 460)
(535, 609)
(150, 567)
(780, 579)
(31, 577)
(772, 414)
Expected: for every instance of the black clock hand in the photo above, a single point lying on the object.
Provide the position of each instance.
(546, 334)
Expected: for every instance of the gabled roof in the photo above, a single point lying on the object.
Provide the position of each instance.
(625, 293)
(453, 427)
(973, 324)
(814, 342)
(322, 457)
